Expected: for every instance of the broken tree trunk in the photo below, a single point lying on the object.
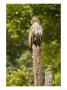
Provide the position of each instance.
(37, 65)
(48, 76)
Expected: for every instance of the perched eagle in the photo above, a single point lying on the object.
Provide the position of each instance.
(35, 33)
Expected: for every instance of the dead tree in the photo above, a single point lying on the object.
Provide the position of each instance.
(37, 65)
(48, 76)
(35, 35)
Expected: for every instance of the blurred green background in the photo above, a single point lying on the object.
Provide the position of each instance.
(19, 63)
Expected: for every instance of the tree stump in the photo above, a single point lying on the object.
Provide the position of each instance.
(48, 78)
(37, 66)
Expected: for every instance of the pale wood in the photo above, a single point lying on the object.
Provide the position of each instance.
(48, 78)
(37, 66)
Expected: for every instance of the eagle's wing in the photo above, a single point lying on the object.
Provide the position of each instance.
(30, 38)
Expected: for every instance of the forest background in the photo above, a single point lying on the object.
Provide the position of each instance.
(19, 63)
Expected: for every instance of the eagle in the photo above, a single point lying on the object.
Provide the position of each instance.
(35, 33)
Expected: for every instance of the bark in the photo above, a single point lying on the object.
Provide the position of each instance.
(37, 66)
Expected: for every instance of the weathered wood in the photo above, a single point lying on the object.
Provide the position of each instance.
(48, 78)
(37, 66)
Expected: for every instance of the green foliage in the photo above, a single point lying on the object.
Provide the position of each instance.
(22, 74)
(19, 61)
(18, 77)
(57, 79)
